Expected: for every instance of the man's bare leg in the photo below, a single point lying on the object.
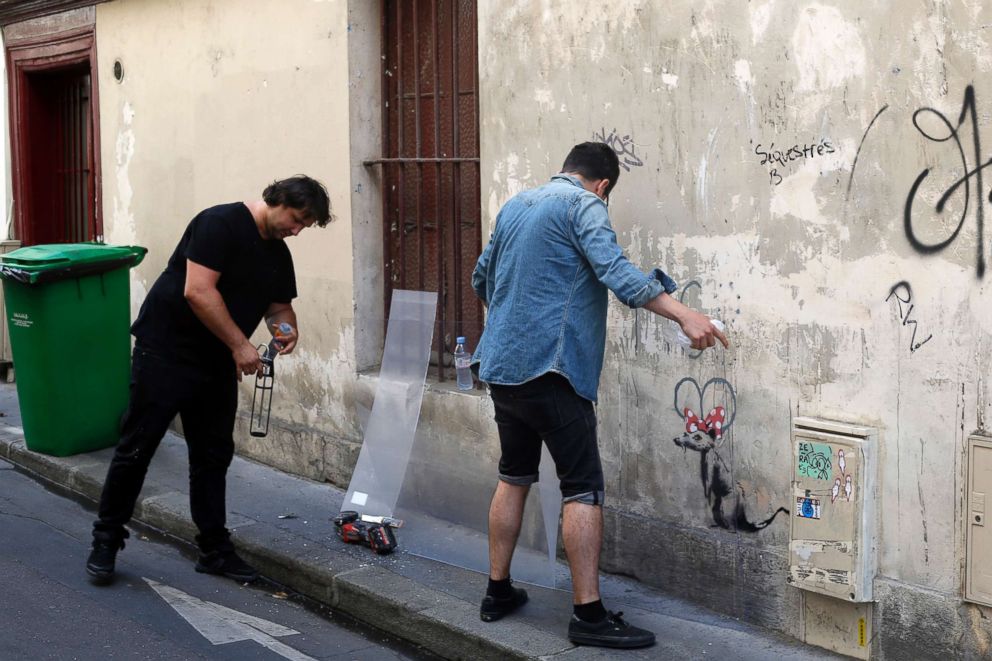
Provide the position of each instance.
(505, 515)
(582, 532)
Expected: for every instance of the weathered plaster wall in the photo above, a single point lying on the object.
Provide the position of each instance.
(801, 251)
(219, 99)
(769, 152)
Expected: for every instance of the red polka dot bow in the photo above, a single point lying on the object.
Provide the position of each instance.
(712, 423)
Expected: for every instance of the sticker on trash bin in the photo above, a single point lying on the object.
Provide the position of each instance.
(359, 498)
(22, 319)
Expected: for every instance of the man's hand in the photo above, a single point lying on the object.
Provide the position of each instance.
(696, 325)
(286, 341)
(279, 313)
(246, 360)
(698, 328)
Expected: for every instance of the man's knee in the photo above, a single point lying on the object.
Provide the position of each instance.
(586, 498)
(518, 480)
(211, 459)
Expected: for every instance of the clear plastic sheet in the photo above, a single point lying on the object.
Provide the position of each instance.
(382, 462)
(449, 522)
(444, 503)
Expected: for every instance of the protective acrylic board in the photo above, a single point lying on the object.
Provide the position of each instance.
(446, 519)
(833, 528)
(978, 572)
(378, 476)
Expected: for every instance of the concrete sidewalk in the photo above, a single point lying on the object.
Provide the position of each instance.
(423, 601)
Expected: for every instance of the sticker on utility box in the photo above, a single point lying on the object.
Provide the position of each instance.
(807, 508)
(815, 461)
(21, 319)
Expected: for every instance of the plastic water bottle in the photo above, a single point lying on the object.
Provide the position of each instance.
(673, 332)
(462, 361)
(275, 345)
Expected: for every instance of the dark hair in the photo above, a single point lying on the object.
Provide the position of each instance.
(594, 160)
(300, 192)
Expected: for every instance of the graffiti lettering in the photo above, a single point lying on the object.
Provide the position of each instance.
(906, 299)
(772, 156)
(854, 166)
(622, 145)
(968, 109)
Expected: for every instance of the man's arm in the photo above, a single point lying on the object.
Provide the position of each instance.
(598, 243)
(279, 313)
(595, 238)
(208, 306)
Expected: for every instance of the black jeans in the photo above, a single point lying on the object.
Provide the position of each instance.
(548, 409)
(206, 401)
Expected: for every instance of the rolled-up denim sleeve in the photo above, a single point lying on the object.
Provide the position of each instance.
(598, 242)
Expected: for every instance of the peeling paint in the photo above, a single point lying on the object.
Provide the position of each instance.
(827, 48)
(761, 15)
(123, 229)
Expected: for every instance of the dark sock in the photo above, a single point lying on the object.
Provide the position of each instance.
(500, 589)
(591, 612)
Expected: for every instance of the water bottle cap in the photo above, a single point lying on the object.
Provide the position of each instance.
(459, 340)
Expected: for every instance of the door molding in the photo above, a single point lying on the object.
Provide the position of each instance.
(48, 51)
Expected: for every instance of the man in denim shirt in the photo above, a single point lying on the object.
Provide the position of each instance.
(544, 277)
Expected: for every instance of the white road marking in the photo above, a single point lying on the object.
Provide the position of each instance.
(221, 625)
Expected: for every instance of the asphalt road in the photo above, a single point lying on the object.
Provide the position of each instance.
(157, 608)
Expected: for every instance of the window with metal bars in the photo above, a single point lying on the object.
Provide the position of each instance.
(72, 166)
(430, 162)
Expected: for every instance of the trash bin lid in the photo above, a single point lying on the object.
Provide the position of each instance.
(58, 261)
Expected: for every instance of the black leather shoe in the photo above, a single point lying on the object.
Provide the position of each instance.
(227, 564)
(612, 631)
(103, 558)
(494, 609)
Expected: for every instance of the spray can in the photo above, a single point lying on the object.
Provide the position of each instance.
(261, 399)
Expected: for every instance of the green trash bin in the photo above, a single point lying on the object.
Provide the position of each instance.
(68, 313)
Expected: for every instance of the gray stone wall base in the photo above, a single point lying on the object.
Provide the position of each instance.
(912, 623)
(720, 570)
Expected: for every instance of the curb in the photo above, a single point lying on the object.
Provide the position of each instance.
(438, 622)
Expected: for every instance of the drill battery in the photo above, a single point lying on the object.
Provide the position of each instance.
(352, 530)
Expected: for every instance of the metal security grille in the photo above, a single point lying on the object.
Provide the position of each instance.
(430, 162)
(73, 172)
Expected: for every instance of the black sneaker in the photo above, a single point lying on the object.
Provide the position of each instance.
(612, 631)
(227, 564)
(103, 558)
(494, 608)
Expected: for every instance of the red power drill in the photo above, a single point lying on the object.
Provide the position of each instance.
(352, 530)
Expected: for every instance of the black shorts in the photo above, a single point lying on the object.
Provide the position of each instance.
(548, 409)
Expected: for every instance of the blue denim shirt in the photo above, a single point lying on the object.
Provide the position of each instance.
(544, 277)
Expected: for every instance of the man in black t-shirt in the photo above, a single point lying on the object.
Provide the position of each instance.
(230, 270)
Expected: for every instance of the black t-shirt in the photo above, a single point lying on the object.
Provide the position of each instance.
(254, 274)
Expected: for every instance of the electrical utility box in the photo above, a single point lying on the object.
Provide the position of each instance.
(978, 572)
(833, 539)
